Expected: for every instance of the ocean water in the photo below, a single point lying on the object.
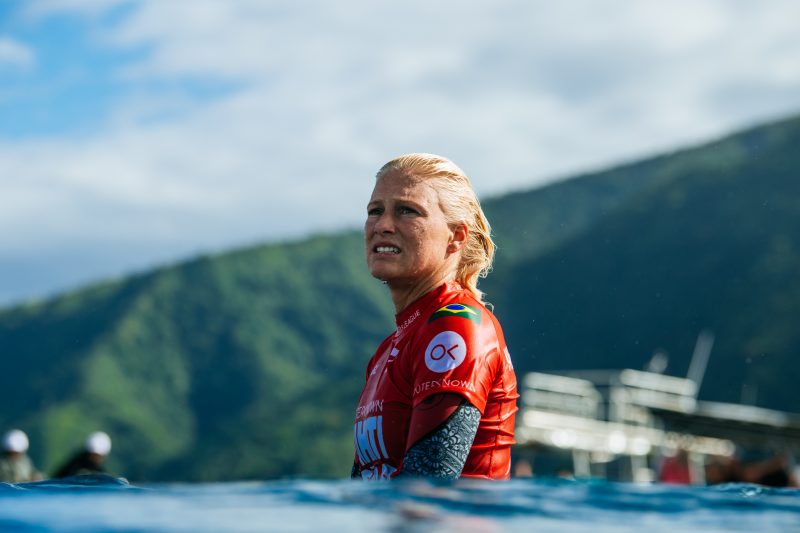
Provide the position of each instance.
(94, 504)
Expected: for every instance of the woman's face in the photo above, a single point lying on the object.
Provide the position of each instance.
(407, 239)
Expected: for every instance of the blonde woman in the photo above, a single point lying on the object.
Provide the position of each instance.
(440, 393)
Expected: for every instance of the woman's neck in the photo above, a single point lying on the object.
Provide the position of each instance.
(405, 295)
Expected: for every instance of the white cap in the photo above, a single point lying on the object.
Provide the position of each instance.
(99, 443)
(15, 441)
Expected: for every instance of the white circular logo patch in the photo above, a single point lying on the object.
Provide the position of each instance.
(446, 351)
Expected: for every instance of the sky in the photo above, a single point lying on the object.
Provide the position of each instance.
(135, 134)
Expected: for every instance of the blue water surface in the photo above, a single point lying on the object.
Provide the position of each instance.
(93, 504)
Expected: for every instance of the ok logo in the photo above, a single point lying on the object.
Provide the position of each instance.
(445, 352)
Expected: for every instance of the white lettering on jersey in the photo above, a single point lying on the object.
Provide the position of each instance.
(402, 327)
(368, 436)
(445, 352)
(439, 383)
(375, 406)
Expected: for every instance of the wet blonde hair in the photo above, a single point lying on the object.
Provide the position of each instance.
(459, 203)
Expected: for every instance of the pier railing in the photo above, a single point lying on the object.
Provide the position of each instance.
(640, 417)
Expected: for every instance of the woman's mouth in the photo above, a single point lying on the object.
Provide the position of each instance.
(387, 249)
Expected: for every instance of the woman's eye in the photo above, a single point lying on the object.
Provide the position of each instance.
(406, 211)
(374, 212)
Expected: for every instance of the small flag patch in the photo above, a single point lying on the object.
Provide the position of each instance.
(464, 311)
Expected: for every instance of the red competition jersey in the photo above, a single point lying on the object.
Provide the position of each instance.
(446, 342)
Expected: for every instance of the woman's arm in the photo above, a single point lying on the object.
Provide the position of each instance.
(442, 430)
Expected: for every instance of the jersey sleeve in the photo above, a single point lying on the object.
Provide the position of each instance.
(455, 352)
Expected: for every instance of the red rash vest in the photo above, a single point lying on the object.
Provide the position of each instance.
(446, 342)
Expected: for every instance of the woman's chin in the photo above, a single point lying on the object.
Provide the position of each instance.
(384, 277)
(382, 273)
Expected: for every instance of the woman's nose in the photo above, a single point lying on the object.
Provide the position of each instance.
(384, 224)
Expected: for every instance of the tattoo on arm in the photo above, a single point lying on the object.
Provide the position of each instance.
(443, 453)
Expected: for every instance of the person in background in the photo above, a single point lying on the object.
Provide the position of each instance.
(90, 459)
(522, 468)
(675, 469)
(722, 469)
(15, 465)
(763, 468)
(440, 394)
(773, 471)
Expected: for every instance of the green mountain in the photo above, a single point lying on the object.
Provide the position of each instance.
(713, 242)
(248, 365)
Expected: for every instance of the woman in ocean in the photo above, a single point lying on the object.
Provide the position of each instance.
(440, 393)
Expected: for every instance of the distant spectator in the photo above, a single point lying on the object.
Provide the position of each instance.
(15, 465)
(774, 471)
(675, 469)
(771, 470)
(721, 469)
(90, 459)
(522, 468)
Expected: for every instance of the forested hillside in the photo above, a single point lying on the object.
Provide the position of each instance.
(248, 364)
(713, 244)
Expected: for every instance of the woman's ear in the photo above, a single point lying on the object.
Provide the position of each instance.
(459, 237)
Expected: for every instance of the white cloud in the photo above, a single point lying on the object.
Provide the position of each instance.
(517, 93)
(15, 53)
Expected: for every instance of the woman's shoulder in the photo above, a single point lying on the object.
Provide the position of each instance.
(459, 301)
(456, 309)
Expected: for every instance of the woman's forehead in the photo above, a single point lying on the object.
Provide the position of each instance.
(403, 186)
